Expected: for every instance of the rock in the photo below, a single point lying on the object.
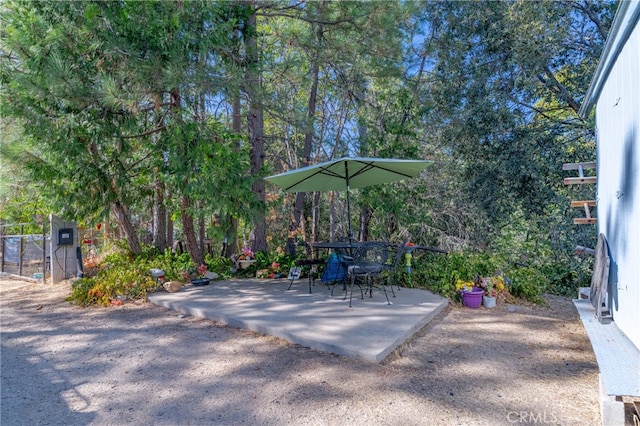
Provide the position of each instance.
(172, 286)
(211, 275)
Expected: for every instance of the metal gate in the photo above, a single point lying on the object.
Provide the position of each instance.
(26, 255)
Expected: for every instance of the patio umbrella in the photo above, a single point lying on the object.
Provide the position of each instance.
(345, 173)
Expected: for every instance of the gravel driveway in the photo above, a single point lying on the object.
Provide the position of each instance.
(144, 365)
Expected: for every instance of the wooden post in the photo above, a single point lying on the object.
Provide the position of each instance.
(2, 246)
(44, 251)
(20, 250)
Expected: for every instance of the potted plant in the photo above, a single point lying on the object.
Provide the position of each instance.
(492, 287)
(471, 293)
(489, 297)
(196, 275)
(244, 259)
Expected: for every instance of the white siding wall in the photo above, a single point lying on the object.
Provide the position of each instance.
(618, 188)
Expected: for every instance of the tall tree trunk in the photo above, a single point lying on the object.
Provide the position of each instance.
(298, 210)
(255, 123)
(201, 232)
(188, 229)
(122, 217)
(365, 219)
(230, 222)
(169, 231)
(159, 217)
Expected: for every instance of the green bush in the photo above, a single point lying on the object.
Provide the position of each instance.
(219, 265)
(122, 274)
(528, 283)
(439, 272)
(85, 292)
(266, 259)
(132, 281)
(564, 278)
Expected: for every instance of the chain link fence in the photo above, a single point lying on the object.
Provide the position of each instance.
(28, 255)
(25, 255)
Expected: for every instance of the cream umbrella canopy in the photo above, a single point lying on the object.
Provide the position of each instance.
(345, 173)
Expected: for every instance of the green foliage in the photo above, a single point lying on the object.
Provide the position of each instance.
(90, 81)
(124, 274)
(120, 274)
(171, 264)
(266, 259)
(439, 273)
(110, 98)
(565, 277)
(85, 292)
(131, 280)
(219, 265)
(506, 81)
(528, 283)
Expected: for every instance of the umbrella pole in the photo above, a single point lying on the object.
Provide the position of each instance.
(346, 175)
(350, 234)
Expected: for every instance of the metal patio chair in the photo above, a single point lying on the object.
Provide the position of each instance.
(367, 263)
(394, 262)
(310, 265)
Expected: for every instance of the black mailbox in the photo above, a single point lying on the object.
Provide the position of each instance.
(65, 237)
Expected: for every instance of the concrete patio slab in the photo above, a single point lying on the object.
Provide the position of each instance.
(370, 330)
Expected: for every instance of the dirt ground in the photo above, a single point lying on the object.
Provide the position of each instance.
(142, 364)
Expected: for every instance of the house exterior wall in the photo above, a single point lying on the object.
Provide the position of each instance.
(618, 189)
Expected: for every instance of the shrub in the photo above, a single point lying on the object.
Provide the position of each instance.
(564, 277)
(120, 273)
(440, 273)
(266, 259)
(528, 283)
(85, 292)
(218, 264)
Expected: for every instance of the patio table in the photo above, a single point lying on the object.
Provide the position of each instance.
(339, 246)
(349, 251)
(345, 250)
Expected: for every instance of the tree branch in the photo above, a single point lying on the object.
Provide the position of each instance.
(552, 83)
(309, 20)
(147, 133)
(587, 9)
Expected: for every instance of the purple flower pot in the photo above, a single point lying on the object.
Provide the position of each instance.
(473, 298)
